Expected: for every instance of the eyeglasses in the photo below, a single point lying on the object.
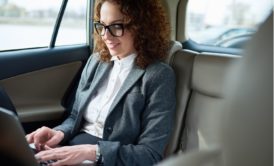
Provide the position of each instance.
(116, 30)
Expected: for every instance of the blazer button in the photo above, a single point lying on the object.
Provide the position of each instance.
(109, 129)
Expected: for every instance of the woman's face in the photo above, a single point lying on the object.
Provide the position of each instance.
(118, 46)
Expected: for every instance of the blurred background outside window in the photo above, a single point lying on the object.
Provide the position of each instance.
(30, 23)
(225, 23)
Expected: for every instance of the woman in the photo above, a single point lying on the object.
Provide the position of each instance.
(125, 101)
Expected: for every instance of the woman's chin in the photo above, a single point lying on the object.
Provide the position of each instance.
(113, 52)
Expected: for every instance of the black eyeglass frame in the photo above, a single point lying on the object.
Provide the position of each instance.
(108, 27)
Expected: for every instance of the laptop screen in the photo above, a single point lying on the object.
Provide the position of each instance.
(14, 149)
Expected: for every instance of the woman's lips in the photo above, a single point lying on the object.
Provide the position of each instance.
(112, 45)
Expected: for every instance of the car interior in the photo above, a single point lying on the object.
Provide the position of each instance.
(224, 111)
(225, 121)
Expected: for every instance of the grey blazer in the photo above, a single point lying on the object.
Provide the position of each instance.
(140, 119)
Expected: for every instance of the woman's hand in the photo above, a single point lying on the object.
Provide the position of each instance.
(45, 136)
(68, 155)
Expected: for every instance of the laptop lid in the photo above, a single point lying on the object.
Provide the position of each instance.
(14, 149)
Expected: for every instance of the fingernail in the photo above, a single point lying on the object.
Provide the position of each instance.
(37, 158)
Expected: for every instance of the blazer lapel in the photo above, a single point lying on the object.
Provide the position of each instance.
(102, 72)
(132, 77)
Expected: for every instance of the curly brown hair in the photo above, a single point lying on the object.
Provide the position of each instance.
(147, 21)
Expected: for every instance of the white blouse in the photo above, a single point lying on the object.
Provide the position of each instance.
(100, 103)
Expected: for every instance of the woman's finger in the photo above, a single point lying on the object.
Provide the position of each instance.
(46, 147)
(48, 155)
(59, 162)
(29, 137)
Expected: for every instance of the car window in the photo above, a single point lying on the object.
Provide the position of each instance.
(27, 23)
(225, 23)
(73, 25)
(30, 23)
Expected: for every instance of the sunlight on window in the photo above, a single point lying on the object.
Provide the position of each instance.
(30, 23)
(27, 23)
(225, 23)
(73, 26)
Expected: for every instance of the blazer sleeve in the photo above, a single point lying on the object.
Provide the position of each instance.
(156, 123)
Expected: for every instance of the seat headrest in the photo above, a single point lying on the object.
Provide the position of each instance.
(174, 46)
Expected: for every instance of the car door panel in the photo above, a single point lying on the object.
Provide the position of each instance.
(39, 80)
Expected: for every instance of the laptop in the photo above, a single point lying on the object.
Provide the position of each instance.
(14, 148)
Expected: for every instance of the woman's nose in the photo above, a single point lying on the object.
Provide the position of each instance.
(107, 34)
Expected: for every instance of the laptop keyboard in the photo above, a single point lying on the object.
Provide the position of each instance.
(41, 163)
(45, 163)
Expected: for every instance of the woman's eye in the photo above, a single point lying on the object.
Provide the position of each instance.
(117, 26)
